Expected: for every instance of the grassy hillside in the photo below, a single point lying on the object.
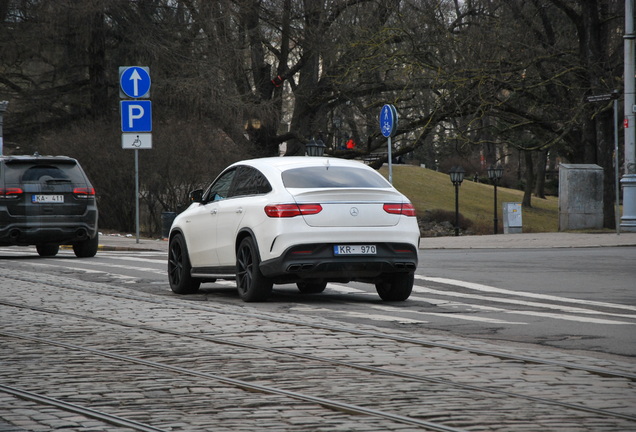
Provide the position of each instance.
(432, 190)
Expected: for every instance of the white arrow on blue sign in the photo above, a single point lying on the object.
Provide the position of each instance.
(136, 116)
(388, 120)
(135, 81)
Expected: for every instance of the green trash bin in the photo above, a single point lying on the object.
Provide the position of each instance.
(166, 222)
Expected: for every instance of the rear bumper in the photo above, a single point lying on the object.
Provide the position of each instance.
(68, 232)
(318, 261)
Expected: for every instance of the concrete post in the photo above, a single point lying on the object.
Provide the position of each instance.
(628, 221)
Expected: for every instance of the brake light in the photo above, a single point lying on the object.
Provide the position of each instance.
(291, 210)
(406, 209)
(11, 193)
(84, 193)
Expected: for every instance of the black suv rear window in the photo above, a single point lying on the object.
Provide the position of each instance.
(44, 172)
(29, 172)
(333, 177)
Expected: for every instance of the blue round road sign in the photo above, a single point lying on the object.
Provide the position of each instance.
(388, 120)
(135, 82)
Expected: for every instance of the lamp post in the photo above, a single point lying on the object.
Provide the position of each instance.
(315, 147)
(337, 124)
(495, 173)
(3, 108)
(457, 177)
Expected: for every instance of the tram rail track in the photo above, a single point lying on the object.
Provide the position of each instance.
(76, 409)
(605, 372)
(331, 361)
(328, 402)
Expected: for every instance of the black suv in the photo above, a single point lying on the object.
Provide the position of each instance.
(47, 201)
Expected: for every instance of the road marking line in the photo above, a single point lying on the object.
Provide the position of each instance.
(560, 308)
(449, 315)
(374, 317)
(92, 270)
(486, 288)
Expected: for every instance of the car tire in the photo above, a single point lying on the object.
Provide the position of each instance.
(251, 284)
(87, 248)
(397, 287)
(179, 268)
(47, 250)
(311, 287)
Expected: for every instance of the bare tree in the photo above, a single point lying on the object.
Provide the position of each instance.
(237, 78)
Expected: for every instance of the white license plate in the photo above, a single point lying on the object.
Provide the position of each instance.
(354, 250)
(54, 199)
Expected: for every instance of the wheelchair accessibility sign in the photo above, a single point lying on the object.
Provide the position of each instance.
(136, 141)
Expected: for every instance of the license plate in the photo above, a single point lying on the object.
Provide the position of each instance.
(354, 250)
(48, 199)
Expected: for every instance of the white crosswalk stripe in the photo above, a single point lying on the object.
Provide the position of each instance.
(466, 301)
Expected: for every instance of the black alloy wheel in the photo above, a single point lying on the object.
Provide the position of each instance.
(251, 284)
(87, 248)
(179, 268)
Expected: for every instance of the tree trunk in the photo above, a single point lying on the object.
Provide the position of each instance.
(527, 193)
(542, 161)
(604, 138)
(97, 66)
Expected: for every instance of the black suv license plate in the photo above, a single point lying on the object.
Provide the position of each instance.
(47, 199)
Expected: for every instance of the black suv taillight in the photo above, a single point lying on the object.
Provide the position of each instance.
(11, 193)
(84, 193)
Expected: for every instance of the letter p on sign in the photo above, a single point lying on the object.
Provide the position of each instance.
(136, 116)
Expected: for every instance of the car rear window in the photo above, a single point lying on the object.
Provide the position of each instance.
(333, 177)
(28, 172)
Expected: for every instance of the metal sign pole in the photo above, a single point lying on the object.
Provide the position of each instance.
(136, 117)
(390, 162)
(137, 193)
(388, 127)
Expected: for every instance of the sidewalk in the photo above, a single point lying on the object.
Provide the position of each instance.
(530, 241)
(120, 242)
(501, 241)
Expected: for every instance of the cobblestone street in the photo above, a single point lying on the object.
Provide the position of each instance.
(181, 366)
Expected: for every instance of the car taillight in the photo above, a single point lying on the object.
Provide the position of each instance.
(84, 193)
(291, 210)
(10, 193)
(405, 209)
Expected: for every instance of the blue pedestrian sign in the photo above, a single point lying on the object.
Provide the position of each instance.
(136, 116)
(388, 120)
(134, 81)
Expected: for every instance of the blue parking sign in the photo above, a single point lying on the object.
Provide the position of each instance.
(136, 116)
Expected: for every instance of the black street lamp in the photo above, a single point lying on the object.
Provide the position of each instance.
(315, 147)
(495, 173)
(457, 177)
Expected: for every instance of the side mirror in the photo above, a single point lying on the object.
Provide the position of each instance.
(196, 195)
